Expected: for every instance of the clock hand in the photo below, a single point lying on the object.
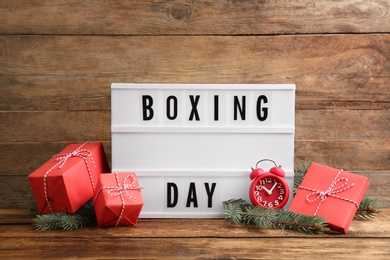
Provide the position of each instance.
(267, 190)
(273, 187)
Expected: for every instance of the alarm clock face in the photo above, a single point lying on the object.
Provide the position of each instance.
(269, 191)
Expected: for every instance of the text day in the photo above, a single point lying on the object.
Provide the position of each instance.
(192, 198)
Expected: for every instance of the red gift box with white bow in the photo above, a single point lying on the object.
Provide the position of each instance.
(67, 181)
(118, 200)
(330, 193)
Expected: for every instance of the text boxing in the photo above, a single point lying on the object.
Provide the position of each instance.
(239, 107)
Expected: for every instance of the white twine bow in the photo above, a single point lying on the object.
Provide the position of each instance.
(331, 191)
(62, 158)
(119, 190)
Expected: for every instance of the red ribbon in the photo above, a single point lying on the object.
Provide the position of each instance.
(62, 159)
(119, 190)
(331, 191)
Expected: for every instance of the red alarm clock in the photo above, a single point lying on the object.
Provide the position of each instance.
(269, 189)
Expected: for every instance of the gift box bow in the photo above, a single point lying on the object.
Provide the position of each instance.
(62, 159)
(332, 191)
(119, 190)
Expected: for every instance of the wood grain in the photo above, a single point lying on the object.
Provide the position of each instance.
(190, 238)
(61, 85)
(92, 92)
(75, 72)
(18, 223)
(58, 59)
(166, 17)
(193, 248)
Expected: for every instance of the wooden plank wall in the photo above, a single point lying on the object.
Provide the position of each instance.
(58, 59)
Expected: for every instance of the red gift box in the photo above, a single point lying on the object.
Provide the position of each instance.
(330, 193)
(117, 199)
(67, 181)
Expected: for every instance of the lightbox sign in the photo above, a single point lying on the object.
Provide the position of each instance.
(192, 146)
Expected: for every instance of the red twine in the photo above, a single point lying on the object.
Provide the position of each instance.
(119, 190)
(331, 191)
(62, 159)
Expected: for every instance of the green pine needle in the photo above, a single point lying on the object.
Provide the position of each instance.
(75, 221)
(48, 222)
(300, 172)
(84, 217)
(233, 213)
(237, 210)
(260, 217)
(368, 209)
(299, 222)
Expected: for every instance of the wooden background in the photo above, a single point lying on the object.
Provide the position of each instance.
(58, 59)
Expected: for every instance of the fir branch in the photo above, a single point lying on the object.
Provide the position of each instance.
(299, 222)
(238, 202)
(260, 217)
(233, 212)
(237, 210)
(88, 212)
(84, 217)
(47, 222)
(368, 209)
(300, 172)
(74, 221)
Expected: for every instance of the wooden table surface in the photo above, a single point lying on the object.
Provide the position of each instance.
(190, 238)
